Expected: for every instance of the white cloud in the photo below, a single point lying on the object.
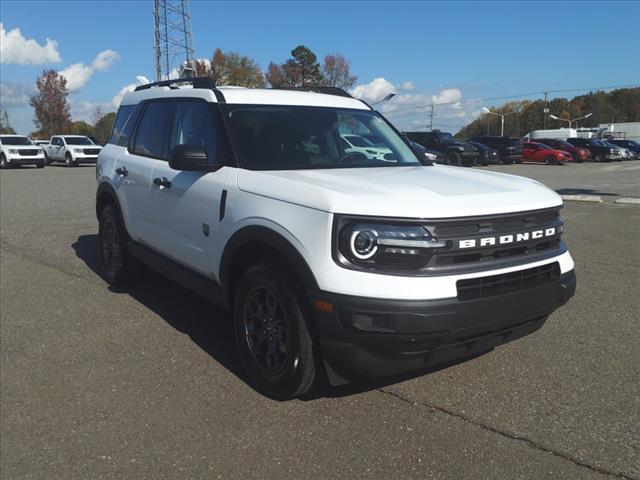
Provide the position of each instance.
(85, 110)
(407, 86)
(15, 94)
(123, 91)
(79, 74)
(14, 48)
(448, 95)
(374, 90)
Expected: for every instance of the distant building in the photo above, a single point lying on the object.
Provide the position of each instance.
(625, 130)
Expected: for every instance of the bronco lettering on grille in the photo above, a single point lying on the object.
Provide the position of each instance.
(507, 239)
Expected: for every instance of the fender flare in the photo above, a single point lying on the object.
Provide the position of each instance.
(275, 241)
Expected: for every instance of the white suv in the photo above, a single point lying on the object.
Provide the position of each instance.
(336, 265)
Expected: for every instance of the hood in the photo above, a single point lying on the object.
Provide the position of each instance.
(22, 147)
(412, 192)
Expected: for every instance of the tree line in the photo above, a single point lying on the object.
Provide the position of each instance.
(52, 114)
(621, 105)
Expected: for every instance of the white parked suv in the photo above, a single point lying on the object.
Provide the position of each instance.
(336, 265)
(19, 150)
(72, 150)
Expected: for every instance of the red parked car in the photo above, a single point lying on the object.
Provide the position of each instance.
(539, 152)
(578, 154)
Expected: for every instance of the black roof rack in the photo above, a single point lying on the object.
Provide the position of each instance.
(197, 82)
(326, 90)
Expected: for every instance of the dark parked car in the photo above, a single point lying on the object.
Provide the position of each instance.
(455, 152)
(510, 149)
(487, 155)
(579, 154)
(628, 144)
(599, 151)
(430, 155)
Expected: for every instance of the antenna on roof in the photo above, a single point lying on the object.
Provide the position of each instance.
(173, 41)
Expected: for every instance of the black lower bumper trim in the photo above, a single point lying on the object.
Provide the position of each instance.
(367, 338)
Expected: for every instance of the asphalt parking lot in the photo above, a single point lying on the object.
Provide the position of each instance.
(145, 382)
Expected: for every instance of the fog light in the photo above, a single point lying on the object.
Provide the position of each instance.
(374, 322)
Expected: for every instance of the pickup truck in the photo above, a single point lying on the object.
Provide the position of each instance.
(72, 150)
(19, 150)
(455, 152)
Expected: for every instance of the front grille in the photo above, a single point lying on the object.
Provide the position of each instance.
(481, 243)
(28, 153)
(493, 285)
(91, 151)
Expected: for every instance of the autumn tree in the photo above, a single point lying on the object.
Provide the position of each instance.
(231, 68)
(5, 125)
(50, 104)
(336, 72)
(102, 128)
(301, 70)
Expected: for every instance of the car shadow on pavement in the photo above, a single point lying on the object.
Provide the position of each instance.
(210, 327)
(584, 191)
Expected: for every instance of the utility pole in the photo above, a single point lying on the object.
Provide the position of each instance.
(431, 117)
(545, 112)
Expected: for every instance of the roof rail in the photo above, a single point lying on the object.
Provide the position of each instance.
(318, 89)
(197, 82)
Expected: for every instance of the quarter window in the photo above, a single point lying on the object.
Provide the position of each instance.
(152, 131)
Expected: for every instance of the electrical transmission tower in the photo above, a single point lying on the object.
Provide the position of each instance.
(173, 43)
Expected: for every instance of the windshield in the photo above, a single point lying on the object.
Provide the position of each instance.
(78, 141)
(446, 137)
(299, 137)
(15, 141)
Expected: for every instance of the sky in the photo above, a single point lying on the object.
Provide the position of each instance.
(460, 56)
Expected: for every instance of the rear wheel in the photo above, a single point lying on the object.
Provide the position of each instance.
(453, 158)
(271, 332)
(118, 266)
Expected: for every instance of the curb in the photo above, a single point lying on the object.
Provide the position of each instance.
(583, 198)
(628, 201)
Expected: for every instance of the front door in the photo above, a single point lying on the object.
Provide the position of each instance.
(186, 205)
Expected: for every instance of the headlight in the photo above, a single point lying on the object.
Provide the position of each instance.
(13, 151)
(77, 150)
(430, 156)
(382, 246)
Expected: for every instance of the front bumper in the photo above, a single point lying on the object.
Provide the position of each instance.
(402, 336)
(85, 158)
(22, 160)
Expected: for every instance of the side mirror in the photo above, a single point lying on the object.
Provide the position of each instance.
(190, 158)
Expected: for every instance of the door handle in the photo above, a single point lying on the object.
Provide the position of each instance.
(162, 182)
(122, 171)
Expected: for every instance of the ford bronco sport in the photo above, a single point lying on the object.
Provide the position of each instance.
(336, 263)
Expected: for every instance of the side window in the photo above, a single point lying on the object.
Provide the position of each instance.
(124, 112)
(153, 128)
(195, 126)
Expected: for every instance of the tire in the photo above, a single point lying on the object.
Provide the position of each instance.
(40, 164)
(47, 160)
(505, 161)
(599, 157)
(550, 160)
(3, 162)
(68, 160)
(118, 266)
(575, 158)
(453, 158)
(272, 334)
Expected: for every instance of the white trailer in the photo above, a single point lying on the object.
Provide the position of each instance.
(623, 130)
(556, 134)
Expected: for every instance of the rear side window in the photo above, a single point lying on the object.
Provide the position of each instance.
(124, 113)
(152, 131)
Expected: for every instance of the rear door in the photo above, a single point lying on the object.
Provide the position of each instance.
(132, 175)
(186, 207)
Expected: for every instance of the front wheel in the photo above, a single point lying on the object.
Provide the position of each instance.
(271, 332)
(453, 158)
(68, 160)
(550, 160)
(3, 162)
(40, 164)
(506, 161)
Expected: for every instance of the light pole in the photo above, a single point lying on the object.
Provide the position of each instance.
(388, 96)
(572, 120)
(502, 115)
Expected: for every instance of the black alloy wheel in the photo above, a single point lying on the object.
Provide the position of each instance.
(274, 340)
